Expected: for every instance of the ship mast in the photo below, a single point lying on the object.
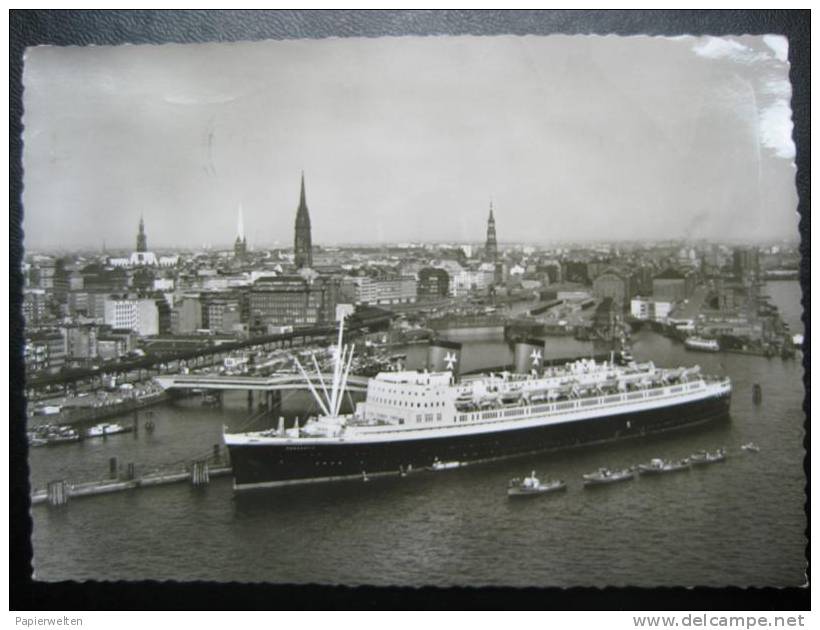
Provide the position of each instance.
(331, 401)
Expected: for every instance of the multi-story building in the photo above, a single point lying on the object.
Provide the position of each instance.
(139, 315)
(614, 285)
(671, 285)
(467, 280)
(87, 303)
(294, 300)
(80, 340)
(433, 284)
(368, 290)
(575, 271)
(222, 315)
(745, 262)
(44, 351)
(34, 306)
(650, 310)
(186, 316)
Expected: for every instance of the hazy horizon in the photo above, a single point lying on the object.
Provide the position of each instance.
(409, 140)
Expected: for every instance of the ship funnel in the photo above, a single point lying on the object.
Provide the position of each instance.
(529, 356)
(444, 356)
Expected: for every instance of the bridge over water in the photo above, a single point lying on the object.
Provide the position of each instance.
(275, 382)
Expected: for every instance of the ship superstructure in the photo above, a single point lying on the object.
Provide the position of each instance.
(411, 419)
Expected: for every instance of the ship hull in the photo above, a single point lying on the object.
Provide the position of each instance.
(271, 465)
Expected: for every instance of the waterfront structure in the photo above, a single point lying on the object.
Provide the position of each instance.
(240, 246)
(650, 310)
(491, 246)
(612, 284)
(302, 244)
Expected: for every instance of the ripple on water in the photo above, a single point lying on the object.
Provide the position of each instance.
(740, 522)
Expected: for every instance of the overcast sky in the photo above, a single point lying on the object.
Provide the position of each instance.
(409, 139)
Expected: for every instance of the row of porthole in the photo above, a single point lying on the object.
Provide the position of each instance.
(402, 403)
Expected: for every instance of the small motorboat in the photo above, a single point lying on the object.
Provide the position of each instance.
(658, 466)
(103, 429)
(440, 465)
(751, 447)
(704, 457)
(531, 486)
(50, 434)
(606, 476)
(33, 440)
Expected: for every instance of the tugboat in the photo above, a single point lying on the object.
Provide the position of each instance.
(702, 345)
(751, 447)
(703, 457)
(104, 429)
(606, 476)
(531, 486)
(659, 466)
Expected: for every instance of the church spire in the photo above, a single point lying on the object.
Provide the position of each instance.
(302, 245)
(142, 240)
(491, 246)
(240, 225)
(240, 246)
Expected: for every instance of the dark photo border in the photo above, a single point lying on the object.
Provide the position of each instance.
(31, 28)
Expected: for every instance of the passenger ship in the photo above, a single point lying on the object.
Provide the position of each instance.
(412, 420)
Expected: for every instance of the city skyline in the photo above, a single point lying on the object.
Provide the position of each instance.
(634, 138)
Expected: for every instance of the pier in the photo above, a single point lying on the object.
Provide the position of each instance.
(197, 472)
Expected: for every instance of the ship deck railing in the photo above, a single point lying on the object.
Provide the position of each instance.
(518, 412)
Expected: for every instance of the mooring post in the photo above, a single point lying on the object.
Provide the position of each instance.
(57, 492)
(757, 393)
(217, 454)
(130, 472)
(199, 473)
(113, 467)
(250, 399)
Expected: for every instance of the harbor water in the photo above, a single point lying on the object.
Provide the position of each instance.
(741, 522)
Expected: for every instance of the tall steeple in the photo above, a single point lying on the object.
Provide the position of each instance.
(302, 246)
(142, 240)
(240, 246)
(491, 247)
(240, 226)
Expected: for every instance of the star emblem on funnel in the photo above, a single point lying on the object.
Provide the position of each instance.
(450, 359)
(536, 357)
